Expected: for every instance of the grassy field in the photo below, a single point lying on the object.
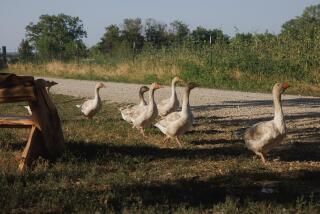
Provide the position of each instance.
(108, 167)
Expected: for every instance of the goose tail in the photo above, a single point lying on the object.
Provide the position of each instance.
(162, 129)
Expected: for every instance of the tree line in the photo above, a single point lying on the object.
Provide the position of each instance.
(60, 37)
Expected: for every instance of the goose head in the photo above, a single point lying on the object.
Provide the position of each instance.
(280, 88)
(100, 85)
(191, 85)
(175, 80)
(51, 83)
(143, 89)
(154, 86)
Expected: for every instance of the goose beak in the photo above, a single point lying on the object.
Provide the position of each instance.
(285, 85)
(157, 86)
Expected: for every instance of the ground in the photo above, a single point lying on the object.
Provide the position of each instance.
(109, 167)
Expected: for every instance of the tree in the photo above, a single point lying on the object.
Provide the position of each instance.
(57, 36)
(179, 30)
(131, 32)
(25, 51)
(202, 34)
(110, 40)
(306, 25)
(155, 33)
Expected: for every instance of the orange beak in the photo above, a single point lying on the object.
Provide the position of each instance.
(285, 85)
(157, 86)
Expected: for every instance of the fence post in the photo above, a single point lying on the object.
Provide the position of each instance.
(4, 55)
(210, 51)
(133, 49)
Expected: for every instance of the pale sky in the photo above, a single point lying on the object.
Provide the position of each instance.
(246, 15)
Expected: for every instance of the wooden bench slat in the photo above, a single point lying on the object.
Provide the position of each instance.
(17, 94)
(16, 121)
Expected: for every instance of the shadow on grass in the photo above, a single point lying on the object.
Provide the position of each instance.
(93, 151)
(244, 186)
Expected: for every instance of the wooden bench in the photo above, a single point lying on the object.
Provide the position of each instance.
(45, 137)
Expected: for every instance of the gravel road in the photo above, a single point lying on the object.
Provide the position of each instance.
(234, 102)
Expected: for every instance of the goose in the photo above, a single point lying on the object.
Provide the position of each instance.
(171, 104)
(90, 107)
(178, 123)
(262, 137)
(128, 112)
(146, 117)
(49, 85)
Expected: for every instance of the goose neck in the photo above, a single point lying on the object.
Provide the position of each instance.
(151, 97)
(278, 113)
(185, 101)
(141, 99)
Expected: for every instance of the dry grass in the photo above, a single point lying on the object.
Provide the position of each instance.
(108, 167)
(160, 71)
(123, 71)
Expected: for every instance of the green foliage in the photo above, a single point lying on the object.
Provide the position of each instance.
(110, 40)
(155, 33)
(25, 51)
(57, 37)
(201, 34)
(179, 30)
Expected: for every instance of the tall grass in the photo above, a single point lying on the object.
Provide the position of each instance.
(244, 64)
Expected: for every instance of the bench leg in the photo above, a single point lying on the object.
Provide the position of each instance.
(32, 150)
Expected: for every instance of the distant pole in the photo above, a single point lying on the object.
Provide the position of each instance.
(210, 51)
(4, 55)
(133, 51)
(77, 49)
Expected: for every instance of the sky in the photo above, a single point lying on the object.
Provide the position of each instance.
(255, 16)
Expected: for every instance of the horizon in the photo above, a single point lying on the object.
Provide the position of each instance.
(248, 16)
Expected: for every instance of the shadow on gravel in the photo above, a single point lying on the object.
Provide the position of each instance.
(308, 102)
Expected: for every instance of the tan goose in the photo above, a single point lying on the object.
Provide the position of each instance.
(146, 118)
(264, 136)
(171, 104)
(129, 112)
(178, 123)
(90, 107)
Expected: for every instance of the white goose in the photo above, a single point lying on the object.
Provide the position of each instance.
(171, 104)
(178, 123)
(90, 107)
(146, 117)
(129, 112)
(264, 136)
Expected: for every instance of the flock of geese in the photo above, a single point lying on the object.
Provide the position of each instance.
(260, 138)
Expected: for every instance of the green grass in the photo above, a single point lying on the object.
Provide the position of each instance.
(108, 167)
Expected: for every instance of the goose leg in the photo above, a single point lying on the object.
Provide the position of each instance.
(166, 139)
(142, 132)
(262, 157)
(178, 141)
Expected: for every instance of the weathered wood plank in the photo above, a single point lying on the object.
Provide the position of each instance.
(16, 121)
(17, 94)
